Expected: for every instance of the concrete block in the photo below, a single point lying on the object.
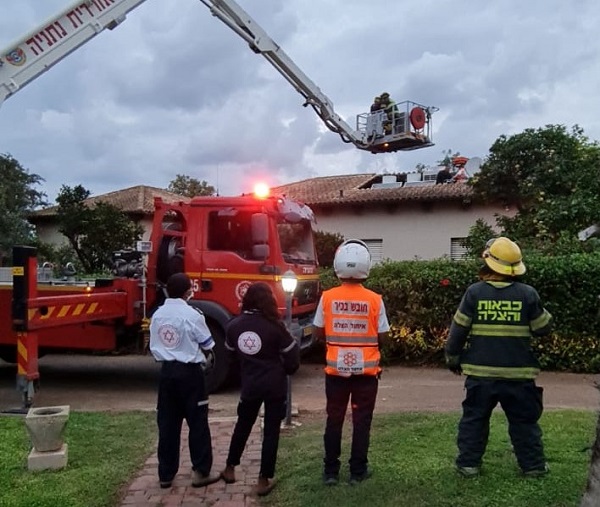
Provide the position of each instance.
(49, 460)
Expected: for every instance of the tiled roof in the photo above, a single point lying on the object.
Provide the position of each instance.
(138, 200)
(356, 189)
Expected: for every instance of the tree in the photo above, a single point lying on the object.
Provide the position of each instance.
(479, 234)
(326, 244)
(190, 187)
(448, 156)
(18, 196)
(551, 176)
(95, 232)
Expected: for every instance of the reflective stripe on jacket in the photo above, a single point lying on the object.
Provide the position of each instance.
(351, 330)
(497, 320)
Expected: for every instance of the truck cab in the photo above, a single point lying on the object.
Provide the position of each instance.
(227, 243)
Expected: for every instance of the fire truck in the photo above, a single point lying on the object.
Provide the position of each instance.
(224, 244)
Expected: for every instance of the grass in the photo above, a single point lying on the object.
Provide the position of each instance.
(105, 449)
(412, 456)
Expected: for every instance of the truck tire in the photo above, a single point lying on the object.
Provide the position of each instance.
(217, 375)
(8, 353)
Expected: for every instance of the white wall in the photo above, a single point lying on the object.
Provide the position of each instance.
(48, 232)
(411, 230)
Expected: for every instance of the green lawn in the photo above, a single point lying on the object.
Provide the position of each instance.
(412, 458)
(411, 455)
(105, 449)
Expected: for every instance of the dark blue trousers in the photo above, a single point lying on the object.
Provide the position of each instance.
(182, 395)
(361, 391)
(247, 412)
(522, 403)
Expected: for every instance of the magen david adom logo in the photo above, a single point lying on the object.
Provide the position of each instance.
(249, 342)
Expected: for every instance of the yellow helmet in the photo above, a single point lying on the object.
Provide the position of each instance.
(504, 257)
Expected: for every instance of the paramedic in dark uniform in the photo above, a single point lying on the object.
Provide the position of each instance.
(178, 334)
(490, 342)
(353, 322)
(267, 353)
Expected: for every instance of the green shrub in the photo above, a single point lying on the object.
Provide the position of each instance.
(422, 296)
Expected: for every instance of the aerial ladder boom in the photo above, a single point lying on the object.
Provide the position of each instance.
(406, 127)
(34, 53)
(260, 42)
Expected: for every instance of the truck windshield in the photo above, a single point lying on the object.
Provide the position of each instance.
(297, 242)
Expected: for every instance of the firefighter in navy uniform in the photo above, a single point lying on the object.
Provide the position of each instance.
(178, 335)
(353, 322)
(490, 342)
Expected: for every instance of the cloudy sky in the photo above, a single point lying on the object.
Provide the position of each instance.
(174, 91)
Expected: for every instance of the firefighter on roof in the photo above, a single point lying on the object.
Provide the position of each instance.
(496, 318)
(353, 322)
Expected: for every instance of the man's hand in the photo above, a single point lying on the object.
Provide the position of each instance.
(210, 360)
(457, 370)
(453, 364)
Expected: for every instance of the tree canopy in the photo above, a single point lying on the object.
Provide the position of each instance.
(18, 197)
(550, 176)
(94, 232)
(190, 187)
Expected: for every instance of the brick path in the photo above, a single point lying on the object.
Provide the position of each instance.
(144, 490)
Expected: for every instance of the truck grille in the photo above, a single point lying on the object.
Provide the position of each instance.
(307, 292)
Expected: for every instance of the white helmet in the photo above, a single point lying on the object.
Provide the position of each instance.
(352, 260)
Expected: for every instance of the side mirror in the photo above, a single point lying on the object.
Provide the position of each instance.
(292, 217)
(260, 228)
(260, 252)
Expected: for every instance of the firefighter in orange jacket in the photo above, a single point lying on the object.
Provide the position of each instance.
(353, 322)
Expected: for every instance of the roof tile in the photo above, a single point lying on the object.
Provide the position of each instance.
(356, 189)
(138, 199)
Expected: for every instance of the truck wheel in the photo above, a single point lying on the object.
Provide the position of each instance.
(218, 371)
(8, 354)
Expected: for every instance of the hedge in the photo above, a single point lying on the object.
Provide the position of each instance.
(422, 296)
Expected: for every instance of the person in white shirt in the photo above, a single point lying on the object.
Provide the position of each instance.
(178, 335)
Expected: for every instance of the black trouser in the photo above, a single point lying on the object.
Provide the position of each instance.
(522, 403)
(182, 395)
(247, 412)
(361, 390)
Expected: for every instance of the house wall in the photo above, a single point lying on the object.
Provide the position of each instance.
(48, 231)
(409, 231)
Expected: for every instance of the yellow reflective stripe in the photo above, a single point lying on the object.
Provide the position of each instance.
(500, 330)
(461, 319)
(352, 340)
(541, 321)
(64, 310)
(517, 373)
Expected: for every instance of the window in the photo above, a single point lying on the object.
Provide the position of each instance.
(229, 230)
(458, 250)
(296, 242)
(376, 248)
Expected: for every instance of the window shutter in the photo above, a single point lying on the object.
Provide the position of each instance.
(458, 251)
(375, 248)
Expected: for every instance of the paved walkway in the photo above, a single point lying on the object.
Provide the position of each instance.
(144, 491)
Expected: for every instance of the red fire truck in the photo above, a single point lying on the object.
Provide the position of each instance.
(223, 243)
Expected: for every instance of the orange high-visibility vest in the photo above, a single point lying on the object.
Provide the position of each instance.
(351, 315)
